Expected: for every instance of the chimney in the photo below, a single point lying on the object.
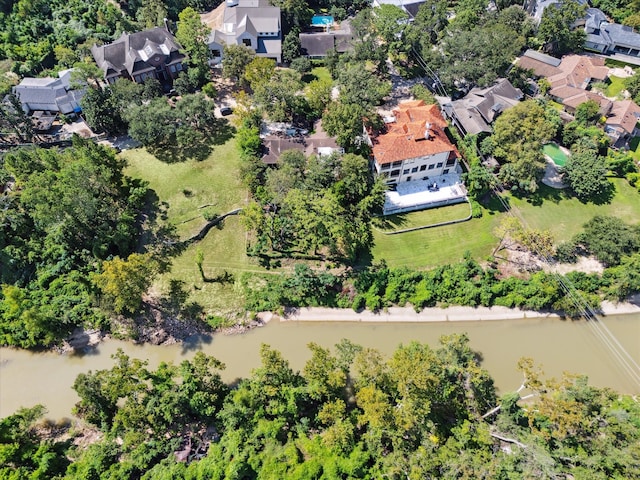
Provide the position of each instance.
(427, 131)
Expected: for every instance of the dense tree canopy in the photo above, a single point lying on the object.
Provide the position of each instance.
(72, 209)
(518, 136)
(423, 412)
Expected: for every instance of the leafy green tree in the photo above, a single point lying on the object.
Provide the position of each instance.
(586, 173)
(24, 453)
(318, 95)
(609, 239)
(344, 121)
(123, 282)
(518, 136)
(152, 13)
(557, 27)
(481, 55)
(360, 87)
(14, 119)
(278, 97)
(259, 70)
(192, 35)
(236, 59)
(431, 19)
(301, 65)
(291, 48)
(587, 112)
(632, 84)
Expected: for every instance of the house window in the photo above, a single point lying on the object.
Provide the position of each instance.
(423, 168)
(215, 53)
(414, 169)
(432, 166)
(408, 179)
(405, 171)
(396, 164)
(395, 173)
(439, 165)
(179, 67)
(445, 171)
(451, 162)
(172, 68)
(246, 42)
(386, 166)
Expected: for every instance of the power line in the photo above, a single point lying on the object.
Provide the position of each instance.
(596, 324)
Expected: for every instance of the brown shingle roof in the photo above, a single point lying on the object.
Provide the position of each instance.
(405, 138)
(625, 114)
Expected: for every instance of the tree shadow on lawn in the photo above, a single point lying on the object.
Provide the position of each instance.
(390, 223)
(544, 193)
(217, 134)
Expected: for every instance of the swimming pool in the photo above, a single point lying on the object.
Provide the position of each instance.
(555, 153)
(321, 20)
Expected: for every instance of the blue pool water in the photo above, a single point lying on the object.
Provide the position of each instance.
(320, 20)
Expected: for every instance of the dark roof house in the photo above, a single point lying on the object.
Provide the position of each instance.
(152, 53)
(605, 37)
(49, 94)
(317, 44)
(476, 111)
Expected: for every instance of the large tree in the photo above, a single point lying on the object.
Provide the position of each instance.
(192, 35)
(586, 173)
(518, 136)
(557, 29)
(236, 59)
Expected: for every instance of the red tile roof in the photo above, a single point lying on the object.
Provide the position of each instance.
(405, 138)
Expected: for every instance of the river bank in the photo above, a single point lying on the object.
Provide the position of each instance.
(435, 314)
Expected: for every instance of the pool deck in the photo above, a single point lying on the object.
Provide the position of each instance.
(416, 195)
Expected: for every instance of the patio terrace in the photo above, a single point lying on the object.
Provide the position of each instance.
(420, 194)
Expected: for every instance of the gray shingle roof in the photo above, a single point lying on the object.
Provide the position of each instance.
(134, 52)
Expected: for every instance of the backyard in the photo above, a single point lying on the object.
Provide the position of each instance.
(191, 190)
(211, 187)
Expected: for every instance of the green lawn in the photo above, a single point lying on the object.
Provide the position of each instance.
(634, 146)
(439, 245)
(549, 209)
(185, 187)
(563, 215)
(321, 73)
(615, 87)
(423, 218)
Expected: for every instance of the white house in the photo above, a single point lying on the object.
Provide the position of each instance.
(253, 23)
(417, 159)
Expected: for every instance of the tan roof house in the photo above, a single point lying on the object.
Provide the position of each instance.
(569, 77)
(622, 122)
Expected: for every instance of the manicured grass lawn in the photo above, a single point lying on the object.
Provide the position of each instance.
(556, 105)
(425, 217)
(615, 87)
(437, 246)
(185, 186)
(564, 215)
(321, 73)
(634, 146)
(550, 209)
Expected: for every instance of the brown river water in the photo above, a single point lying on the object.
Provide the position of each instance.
(29, 378)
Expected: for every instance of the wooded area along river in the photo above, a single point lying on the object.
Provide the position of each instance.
(28, 378)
